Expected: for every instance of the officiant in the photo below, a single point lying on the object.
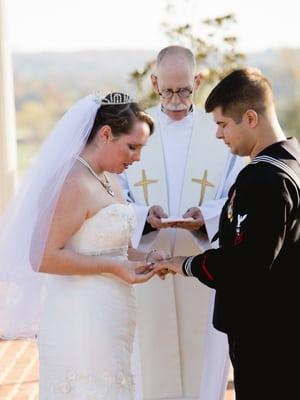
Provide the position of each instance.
(184, 171)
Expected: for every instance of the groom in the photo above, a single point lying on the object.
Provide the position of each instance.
(255, 271)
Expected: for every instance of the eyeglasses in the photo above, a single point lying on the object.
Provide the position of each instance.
(183, 93)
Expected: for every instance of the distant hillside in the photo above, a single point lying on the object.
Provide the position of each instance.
(282, 68)
(46, 83)
(83, 72)
(79, 73)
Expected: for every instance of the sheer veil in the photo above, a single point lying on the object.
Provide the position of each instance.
(26, 223)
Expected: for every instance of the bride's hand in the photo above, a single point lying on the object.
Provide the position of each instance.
(156, 256)
(133, 271)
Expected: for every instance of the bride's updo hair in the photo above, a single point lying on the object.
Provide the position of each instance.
(120, 113)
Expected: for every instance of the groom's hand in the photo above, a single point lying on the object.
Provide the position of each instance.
(173, 265)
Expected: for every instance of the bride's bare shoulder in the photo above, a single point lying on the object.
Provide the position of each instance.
(76, 185)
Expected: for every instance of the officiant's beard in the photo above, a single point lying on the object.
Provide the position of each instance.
(175, 112)
(172, 107)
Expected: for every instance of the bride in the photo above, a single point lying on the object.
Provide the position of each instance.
(67, 267)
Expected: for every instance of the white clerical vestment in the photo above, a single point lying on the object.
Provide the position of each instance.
(183, 165)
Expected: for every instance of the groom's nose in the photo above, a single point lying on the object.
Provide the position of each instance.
(219, 133)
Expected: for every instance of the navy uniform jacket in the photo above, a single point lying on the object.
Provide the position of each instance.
(256, 270)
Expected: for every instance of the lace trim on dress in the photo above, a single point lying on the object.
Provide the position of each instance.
(117, 251)
(103, 386)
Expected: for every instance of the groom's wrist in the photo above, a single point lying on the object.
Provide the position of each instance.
(187, 266)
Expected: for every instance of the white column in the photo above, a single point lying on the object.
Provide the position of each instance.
(8, 154)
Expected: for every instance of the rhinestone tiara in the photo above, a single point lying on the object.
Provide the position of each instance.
(114, 98)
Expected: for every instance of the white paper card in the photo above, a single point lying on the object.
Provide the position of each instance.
(176, 219)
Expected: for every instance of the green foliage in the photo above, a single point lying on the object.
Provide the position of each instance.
(215, 50)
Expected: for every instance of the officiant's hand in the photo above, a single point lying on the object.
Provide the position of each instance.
(197, 216)
(173, 265)
(155, 214)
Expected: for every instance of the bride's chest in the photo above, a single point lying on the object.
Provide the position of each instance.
(110, 228)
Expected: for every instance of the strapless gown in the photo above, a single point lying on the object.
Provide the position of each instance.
(87, 328)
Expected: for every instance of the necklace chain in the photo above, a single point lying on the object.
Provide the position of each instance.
(106, 184)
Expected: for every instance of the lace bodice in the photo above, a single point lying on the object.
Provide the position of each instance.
(109, 230)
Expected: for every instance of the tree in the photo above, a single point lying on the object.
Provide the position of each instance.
(215, 51)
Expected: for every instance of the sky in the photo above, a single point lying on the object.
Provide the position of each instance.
(70, 25)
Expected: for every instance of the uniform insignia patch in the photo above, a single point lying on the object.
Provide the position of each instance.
(239, 235)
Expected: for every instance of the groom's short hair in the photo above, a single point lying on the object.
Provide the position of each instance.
(241, 90)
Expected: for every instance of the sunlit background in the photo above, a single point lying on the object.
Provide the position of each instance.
(62, 50)
(66, 25)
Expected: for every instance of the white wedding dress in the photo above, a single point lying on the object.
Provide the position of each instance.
(87, 328)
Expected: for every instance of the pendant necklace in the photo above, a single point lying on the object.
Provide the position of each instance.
(106, 184)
